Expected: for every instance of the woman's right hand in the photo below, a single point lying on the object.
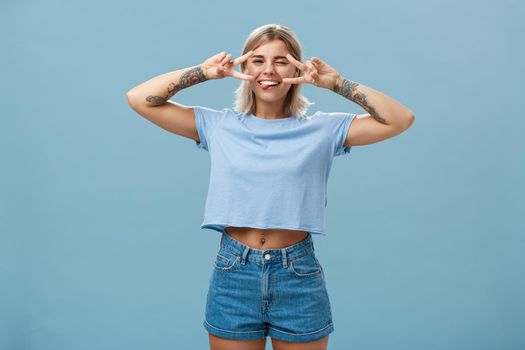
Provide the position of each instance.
(221, 65)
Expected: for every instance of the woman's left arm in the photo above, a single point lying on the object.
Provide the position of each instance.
(386, 118)
(381, 107)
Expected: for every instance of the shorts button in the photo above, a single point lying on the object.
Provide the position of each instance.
(267, 256)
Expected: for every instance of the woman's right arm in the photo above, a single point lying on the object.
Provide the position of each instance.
(151, 98)
(160, 89)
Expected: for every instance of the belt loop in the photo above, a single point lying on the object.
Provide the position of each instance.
(285, 259)
(244, 254)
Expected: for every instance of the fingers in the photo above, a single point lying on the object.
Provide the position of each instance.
(243, 58)
(316, 61)
(226, 60)
(298, 64)
(226, 64)
(298, 80)
(220, 56)
(308, 67)
(223, 63)
(313, 70)
(242, 76)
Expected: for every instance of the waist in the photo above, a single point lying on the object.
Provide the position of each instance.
(277, 255)
(258, 238)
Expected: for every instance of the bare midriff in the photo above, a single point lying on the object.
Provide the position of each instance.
(266, 238)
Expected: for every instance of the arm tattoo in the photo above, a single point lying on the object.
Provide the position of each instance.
(189, 78)
(348, 89)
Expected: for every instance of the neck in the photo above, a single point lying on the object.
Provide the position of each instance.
(270, 110)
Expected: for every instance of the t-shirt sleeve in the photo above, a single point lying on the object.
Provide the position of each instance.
(206, 120)
(339, 125)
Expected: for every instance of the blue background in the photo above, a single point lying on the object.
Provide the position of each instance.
(100, 209)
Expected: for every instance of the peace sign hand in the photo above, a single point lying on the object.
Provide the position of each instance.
(221, 65)
(316, 71)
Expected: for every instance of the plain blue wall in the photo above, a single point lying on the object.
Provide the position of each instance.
(100, 209)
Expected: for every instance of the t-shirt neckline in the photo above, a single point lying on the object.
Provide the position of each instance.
(254, 117)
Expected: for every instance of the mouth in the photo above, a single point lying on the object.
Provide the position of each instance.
(268, 84)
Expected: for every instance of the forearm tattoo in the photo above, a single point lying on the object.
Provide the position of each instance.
(348, 89)
(191, 77)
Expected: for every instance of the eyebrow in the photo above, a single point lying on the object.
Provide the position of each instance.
(261, 56)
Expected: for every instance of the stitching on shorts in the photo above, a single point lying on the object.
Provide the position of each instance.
(227, 268)
(224, 330)
(300, 254)
(301, 333)
(309, 274)
(231, 251)
(223, 257)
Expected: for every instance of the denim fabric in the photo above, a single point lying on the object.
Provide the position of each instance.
(279, 293)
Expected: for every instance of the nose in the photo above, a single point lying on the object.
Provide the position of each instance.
(269, 68)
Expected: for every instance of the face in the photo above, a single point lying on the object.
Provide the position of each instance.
(269, 62)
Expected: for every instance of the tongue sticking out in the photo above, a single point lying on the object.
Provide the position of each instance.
(267, 87)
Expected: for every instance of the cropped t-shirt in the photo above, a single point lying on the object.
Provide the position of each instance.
(269, 173)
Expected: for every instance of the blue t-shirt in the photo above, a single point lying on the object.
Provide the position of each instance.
(269, 173)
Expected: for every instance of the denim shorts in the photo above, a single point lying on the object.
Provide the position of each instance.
(279, 293)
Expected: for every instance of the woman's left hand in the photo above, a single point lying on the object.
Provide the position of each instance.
(316, 72)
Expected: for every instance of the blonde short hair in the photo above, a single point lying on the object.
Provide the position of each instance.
(295, 103)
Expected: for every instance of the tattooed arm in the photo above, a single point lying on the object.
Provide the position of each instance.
(386, 117)
(151, 98)
(160, 89)
(382, 108)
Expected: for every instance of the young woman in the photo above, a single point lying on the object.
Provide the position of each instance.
(267, 190)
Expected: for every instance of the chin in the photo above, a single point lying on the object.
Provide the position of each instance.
(271, 97)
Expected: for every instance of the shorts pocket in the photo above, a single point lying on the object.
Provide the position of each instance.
(226, 261)
(305, 266)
